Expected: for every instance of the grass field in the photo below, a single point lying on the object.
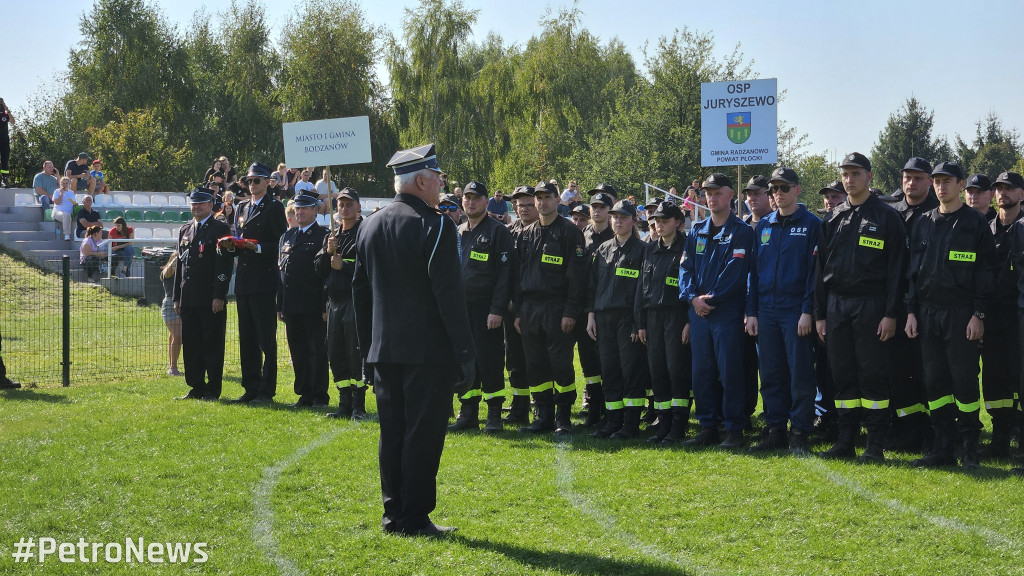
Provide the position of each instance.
(273, 490)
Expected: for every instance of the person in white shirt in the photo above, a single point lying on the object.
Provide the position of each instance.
(321, 190)
(64, 203)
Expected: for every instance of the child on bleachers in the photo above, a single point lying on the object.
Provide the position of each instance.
(101, 186)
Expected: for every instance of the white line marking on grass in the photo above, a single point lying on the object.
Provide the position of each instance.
(566, 471)
(991, 537)
(263, 526)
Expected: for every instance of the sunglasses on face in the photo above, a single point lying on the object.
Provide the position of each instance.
(254, 180)
(447, 208)
(784, 188)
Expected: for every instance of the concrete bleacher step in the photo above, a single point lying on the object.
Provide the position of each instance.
(7, 219)
(50, 243)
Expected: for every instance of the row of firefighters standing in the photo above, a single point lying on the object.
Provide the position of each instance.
(898, 294)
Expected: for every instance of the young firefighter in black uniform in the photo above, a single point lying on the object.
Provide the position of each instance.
(952, 261)
(663, 324)
(1016, 242)
(200, 288)
(1000, 364)
(337, 261)
(487, 248)
(551, 296)
(859, 291)
(602, 198)
(515, 357)
(911, 427)
(611, 322)
(302, 304)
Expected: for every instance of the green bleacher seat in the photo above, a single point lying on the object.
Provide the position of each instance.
(48, 215)
(152, 216)
(133, 215)
(171, 216)
(112, 214)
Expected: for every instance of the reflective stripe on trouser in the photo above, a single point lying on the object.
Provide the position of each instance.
(1000, 363)
(549, 351)
(858, 360)
(787, 370)
(950, 368)
(906, 374)
(623, 362)
(586, 349)
(667, 358)
(718, 377)
(490, 349)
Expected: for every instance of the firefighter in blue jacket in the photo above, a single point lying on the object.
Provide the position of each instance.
(780, 304)
(713, 279)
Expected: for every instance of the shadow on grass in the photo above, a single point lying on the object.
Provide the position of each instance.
(32, 395)
(570, 562)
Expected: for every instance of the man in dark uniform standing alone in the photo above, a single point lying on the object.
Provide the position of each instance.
(200, 288)
(411, 318)
(486, 270)
(261, 220)
(857, 299)
(337, 261)
(302, 304)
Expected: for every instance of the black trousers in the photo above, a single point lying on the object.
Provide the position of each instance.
(5, 153)
(669, 360)
(750, 372)
(548, 351)
(823, 376)
(590, 358)
(307, 342)
(3, 368)
(1000, 372)
(257, 343)
(342, 343)
(413, 402)
(950, 368)
(858, 359)
(623, 362)
(202, 346)
(907, 374)
(515, 358)
(490, 353)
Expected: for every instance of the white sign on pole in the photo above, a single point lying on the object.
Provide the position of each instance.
(739, 123)
(327, 142)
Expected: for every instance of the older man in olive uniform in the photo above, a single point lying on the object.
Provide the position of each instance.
(413, 327)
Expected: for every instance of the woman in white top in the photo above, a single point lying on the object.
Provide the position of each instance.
(64, 203)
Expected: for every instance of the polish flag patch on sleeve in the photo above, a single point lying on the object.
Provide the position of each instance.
(739, 253)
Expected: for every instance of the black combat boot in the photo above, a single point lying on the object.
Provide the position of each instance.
(969, 457)
(494, 424)
(776, 439)
(344, 403)
(664, 427)
(941, 453)
(544, 420)
(630, 424)
(999, 447)
(843, 448)
(612, 423)
(733, 439)
(596, 411)
(519, 413)
(359, 402)
(798, 443)
(469, 416)
(563, 419)
(680, 424)
(705, 438)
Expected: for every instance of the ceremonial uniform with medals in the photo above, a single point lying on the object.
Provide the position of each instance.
(256, 288)
(302, 304)
(201, 276)
(412, 325)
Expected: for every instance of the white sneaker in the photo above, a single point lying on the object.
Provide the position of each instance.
(66, 237)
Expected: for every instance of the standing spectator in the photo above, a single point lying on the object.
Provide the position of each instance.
(230, 176)
(302, 304)
(91, 256)
(122, 253)
(281, 180)
(407, 260)
(325, 195)
(86, 218)
(64, 206)
(201, 278)
(171, 318)
(261, 220)
(5, 143)
(44, 183)
(98, 178)
(496, 207)
(77, 169)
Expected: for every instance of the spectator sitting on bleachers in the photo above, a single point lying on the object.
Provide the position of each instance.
(304, 185)
(226, 214)
(217, 166)
(229, 173)
(281, 182)
(45, 183)
(121, 253)
(321, 190)
(289, 214)
(86, 217)
(64, 206)
(77, 169)
(99, 178)
(91, 254)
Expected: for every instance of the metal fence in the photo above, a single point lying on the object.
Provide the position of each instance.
(59, 329)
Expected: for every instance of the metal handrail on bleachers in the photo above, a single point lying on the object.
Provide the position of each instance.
(109, 247)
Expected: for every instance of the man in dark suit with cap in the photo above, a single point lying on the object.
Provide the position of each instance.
(302, 304)
(201, 279)
(261, 220)
(413, 328)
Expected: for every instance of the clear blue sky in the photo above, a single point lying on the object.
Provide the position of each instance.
(846, 66)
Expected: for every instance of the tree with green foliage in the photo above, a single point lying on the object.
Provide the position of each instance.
(994, 149)
(908, 133)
